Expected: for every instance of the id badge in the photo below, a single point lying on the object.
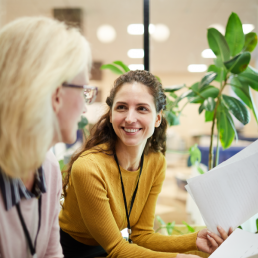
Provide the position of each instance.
(125, 234)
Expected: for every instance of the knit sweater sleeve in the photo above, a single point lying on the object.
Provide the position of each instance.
(91, 194)
(143, 233)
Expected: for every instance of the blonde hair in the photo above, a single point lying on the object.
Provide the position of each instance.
(37, 55)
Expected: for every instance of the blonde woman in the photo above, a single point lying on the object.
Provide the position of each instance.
(44, 69)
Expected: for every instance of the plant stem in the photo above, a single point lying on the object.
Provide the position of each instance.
(213, 124)
(217, 150)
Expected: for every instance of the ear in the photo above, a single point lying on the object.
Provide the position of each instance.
(57, 100)
(158, 119)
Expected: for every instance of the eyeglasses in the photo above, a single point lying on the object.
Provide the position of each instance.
(90, 92)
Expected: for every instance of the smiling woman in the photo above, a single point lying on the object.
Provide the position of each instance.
(114, 181)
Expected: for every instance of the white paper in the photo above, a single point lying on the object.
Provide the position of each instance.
(240, 244)
(227, 195)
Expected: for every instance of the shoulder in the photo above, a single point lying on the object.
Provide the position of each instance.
(156, 158)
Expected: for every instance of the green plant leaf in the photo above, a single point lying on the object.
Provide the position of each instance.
(208, 91)
(209, 104)
(207, 79)
(172, 118)
(250, 41)
(256, 224)
(112, 68)
(184, 95)
(160, 220)
(239, 63)
(209, 116)
(173, 95)
(234, 34)
(200, 170)
(201, 108)
(237, 108)
(240, 227)
(195, 154)
(170, 226)
(250, 78)
(83, 122)
(226, 132)
(230, 119)
(174, 88)
(61, 164)
(221, 72)
(218, 45)
(124, 66)
(190, 229)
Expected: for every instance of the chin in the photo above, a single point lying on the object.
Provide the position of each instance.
(69, 139)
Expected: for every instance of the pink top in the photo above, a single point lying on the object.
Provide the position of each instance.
(12, 239)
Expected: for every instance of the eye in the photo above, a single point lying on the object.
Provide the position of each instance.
(120, 107)
(141, 108)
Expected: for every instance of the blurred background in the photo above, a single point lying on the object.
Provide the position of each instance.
(178, 40)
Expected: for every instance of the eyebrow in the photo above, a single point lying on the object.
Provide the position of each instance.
(125, 103)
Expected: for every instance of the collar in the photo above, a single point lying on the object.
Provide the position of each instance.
(13, 189)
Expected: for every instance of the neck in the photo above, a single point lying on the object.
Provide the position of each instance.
(129, 157)
(29, 181)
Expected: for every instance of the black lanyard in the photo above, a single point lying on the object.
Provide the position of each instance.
(133, 197)
(25, 230)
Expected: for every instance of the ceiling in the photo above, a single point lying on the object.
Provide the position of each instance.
(187, 20)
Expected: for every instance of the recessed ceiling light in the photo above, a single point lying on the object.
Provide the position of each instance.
(218, 27)
(247, 28)
(197, 68)
(106, 33)
(138, 29)
(136, 67)
(135, 53)
(161, 32)
(208, 53)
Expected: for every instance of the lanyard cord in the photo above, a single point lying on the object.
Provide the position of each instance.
(133, 197)
(25, 230)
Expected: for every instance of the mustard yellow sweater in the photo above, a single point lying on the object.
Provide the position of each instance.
(94, 212)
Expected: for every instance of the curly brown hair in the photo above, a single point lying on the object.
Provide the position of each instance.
(103, 132)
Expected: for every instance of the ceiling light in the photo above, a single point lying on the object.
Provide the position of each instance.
(106, 33)
(208, 53)
(247, 28)
(218, 27)
(134, 67)
(138, 29)
(161, 32)
(197, 68)
(135, 53)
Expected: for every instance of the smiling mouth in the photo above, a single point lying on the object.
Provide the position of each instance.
(128, 130)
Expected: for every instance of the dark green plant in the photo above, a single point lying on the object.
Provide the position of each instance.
(231, 69)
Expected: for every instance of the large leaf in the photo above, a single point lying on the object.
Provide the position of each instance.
(250, 69)
(226, 131)
(209, 104)
(234, 34)
(218, 45)
(230, 119)
(237, 108)
(172, 118)
(250, 78)
(250, 41)
(112, 68)
(239, 63)
(209, 116)
(220, 71)
(207, 79)
(208, 91)
(184, 95)
(120, 63)
(242, 90)
(174, 88)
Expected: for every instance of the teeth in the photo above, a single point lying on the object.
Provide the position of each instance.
(131, 130)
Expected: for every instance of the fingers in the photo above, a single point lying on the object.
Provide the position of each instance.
(215, 244)
(215, 237)
(223, 233)
(230, 231)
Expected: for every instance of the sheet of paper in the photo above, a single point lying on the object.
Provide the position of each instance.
(240, 244)
(228, 195)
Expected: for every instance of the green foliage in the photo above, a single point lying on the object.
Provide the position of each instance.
(218, 45)
(61, 164)
(220, 71)
(117, 67)
(121, 64)
(199, 97)
(174, 88)
(250, 41)
(234, 34)
(172, 118)
(190, 229)
(207, 79)
(209, 116)
(195, 154)
(250, 78)
(83, 122)
(239, 63)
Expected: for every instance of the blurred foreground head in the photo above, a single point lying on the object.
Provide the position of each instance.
(37, 55)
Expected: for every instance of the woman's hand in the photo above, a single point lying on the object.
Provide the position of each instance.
(208, 242)
(187, 256)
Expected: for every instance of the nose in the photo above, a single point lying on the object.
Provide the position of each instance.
(130, 118)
